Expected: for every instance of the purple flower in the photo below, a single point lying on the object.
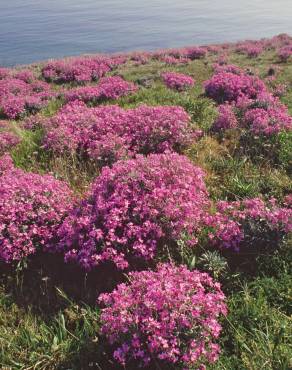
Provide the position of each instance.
(81, 69)
(226, 118)
(133, 209)
(177, 81)
(108, 88)
(170, 315)
(229, 87)
(141, 130)
(18, 96)
(31, 207)
(285, 53)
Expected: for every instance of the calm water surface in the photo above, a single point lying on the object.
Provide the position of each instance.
(33, 30)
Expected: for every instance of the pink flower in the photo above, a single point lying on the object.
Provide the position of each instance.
(170, 315)
(248, 103)
(177, 81)
(80, 69)
(23, 95)
(31, 207)
(137, 206)
(226, 119)
(108, 88)
(229, 87)
(285, 53)
(108, 132)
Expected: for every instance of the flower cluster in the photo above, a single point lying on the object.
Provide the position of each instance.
(110, 132)
(8, 139)
(278, 41)
(18, 96)
(280, 90)
(31, 207)
(285, 53)
(4, 72)
(170, 60)
(251, 49)
(232, 218)
(140, 57)
(138, 206)
(6, 164)
(80, 70)
(134, 208)
(177, 81)
(255, 48)
(229, 68)
(169, 315)
(230, 86)
(180, 56)
(185, 55)
(107, 88)
(191, 52)
(269, 120)
(265, 115)
(226, 118)
(25, 75)
(247, 103)
(196, 52)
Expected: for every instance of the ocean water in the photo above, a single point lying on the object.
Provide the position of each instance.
(34, 30)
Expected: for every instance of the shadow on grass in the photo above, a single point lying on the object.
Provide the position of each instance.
(37, 286)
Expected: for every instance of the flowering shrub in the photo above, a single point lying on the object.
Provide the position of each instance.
(25, 75)
(170, 60)
(278, 41)
(108, 88)
(116, 132)
(265, 115)
(230, 68)
(233, 220)
(4, 72)
(228, 86)
(33, 122)
(31, 207)
(140, 57)
(268, 121)
(288, 200)
(6, 164)
(280, 90)
(251, 49)
(87, 94)
(180, 56)
(7, 141)
(133, 209)
(226, 118)
(169, 315)
(81, 69)
(115, 87)
(285, 53)
(18, 96)
(251, 105)
(177, 81)
(76, 69)
(214, 49)
(196, 52)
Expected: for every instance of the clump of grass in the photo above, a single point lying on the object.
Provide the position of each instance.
(257, 335)
(27, 341)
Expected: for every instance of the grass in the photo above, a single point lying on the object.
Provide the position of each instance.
(29, 342)
(47, 323)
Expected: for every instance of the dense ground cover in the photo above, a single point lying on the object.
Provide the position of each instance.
(145, 210)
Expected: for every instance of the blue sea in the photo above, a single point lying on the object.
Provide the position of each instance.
(34, 30)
